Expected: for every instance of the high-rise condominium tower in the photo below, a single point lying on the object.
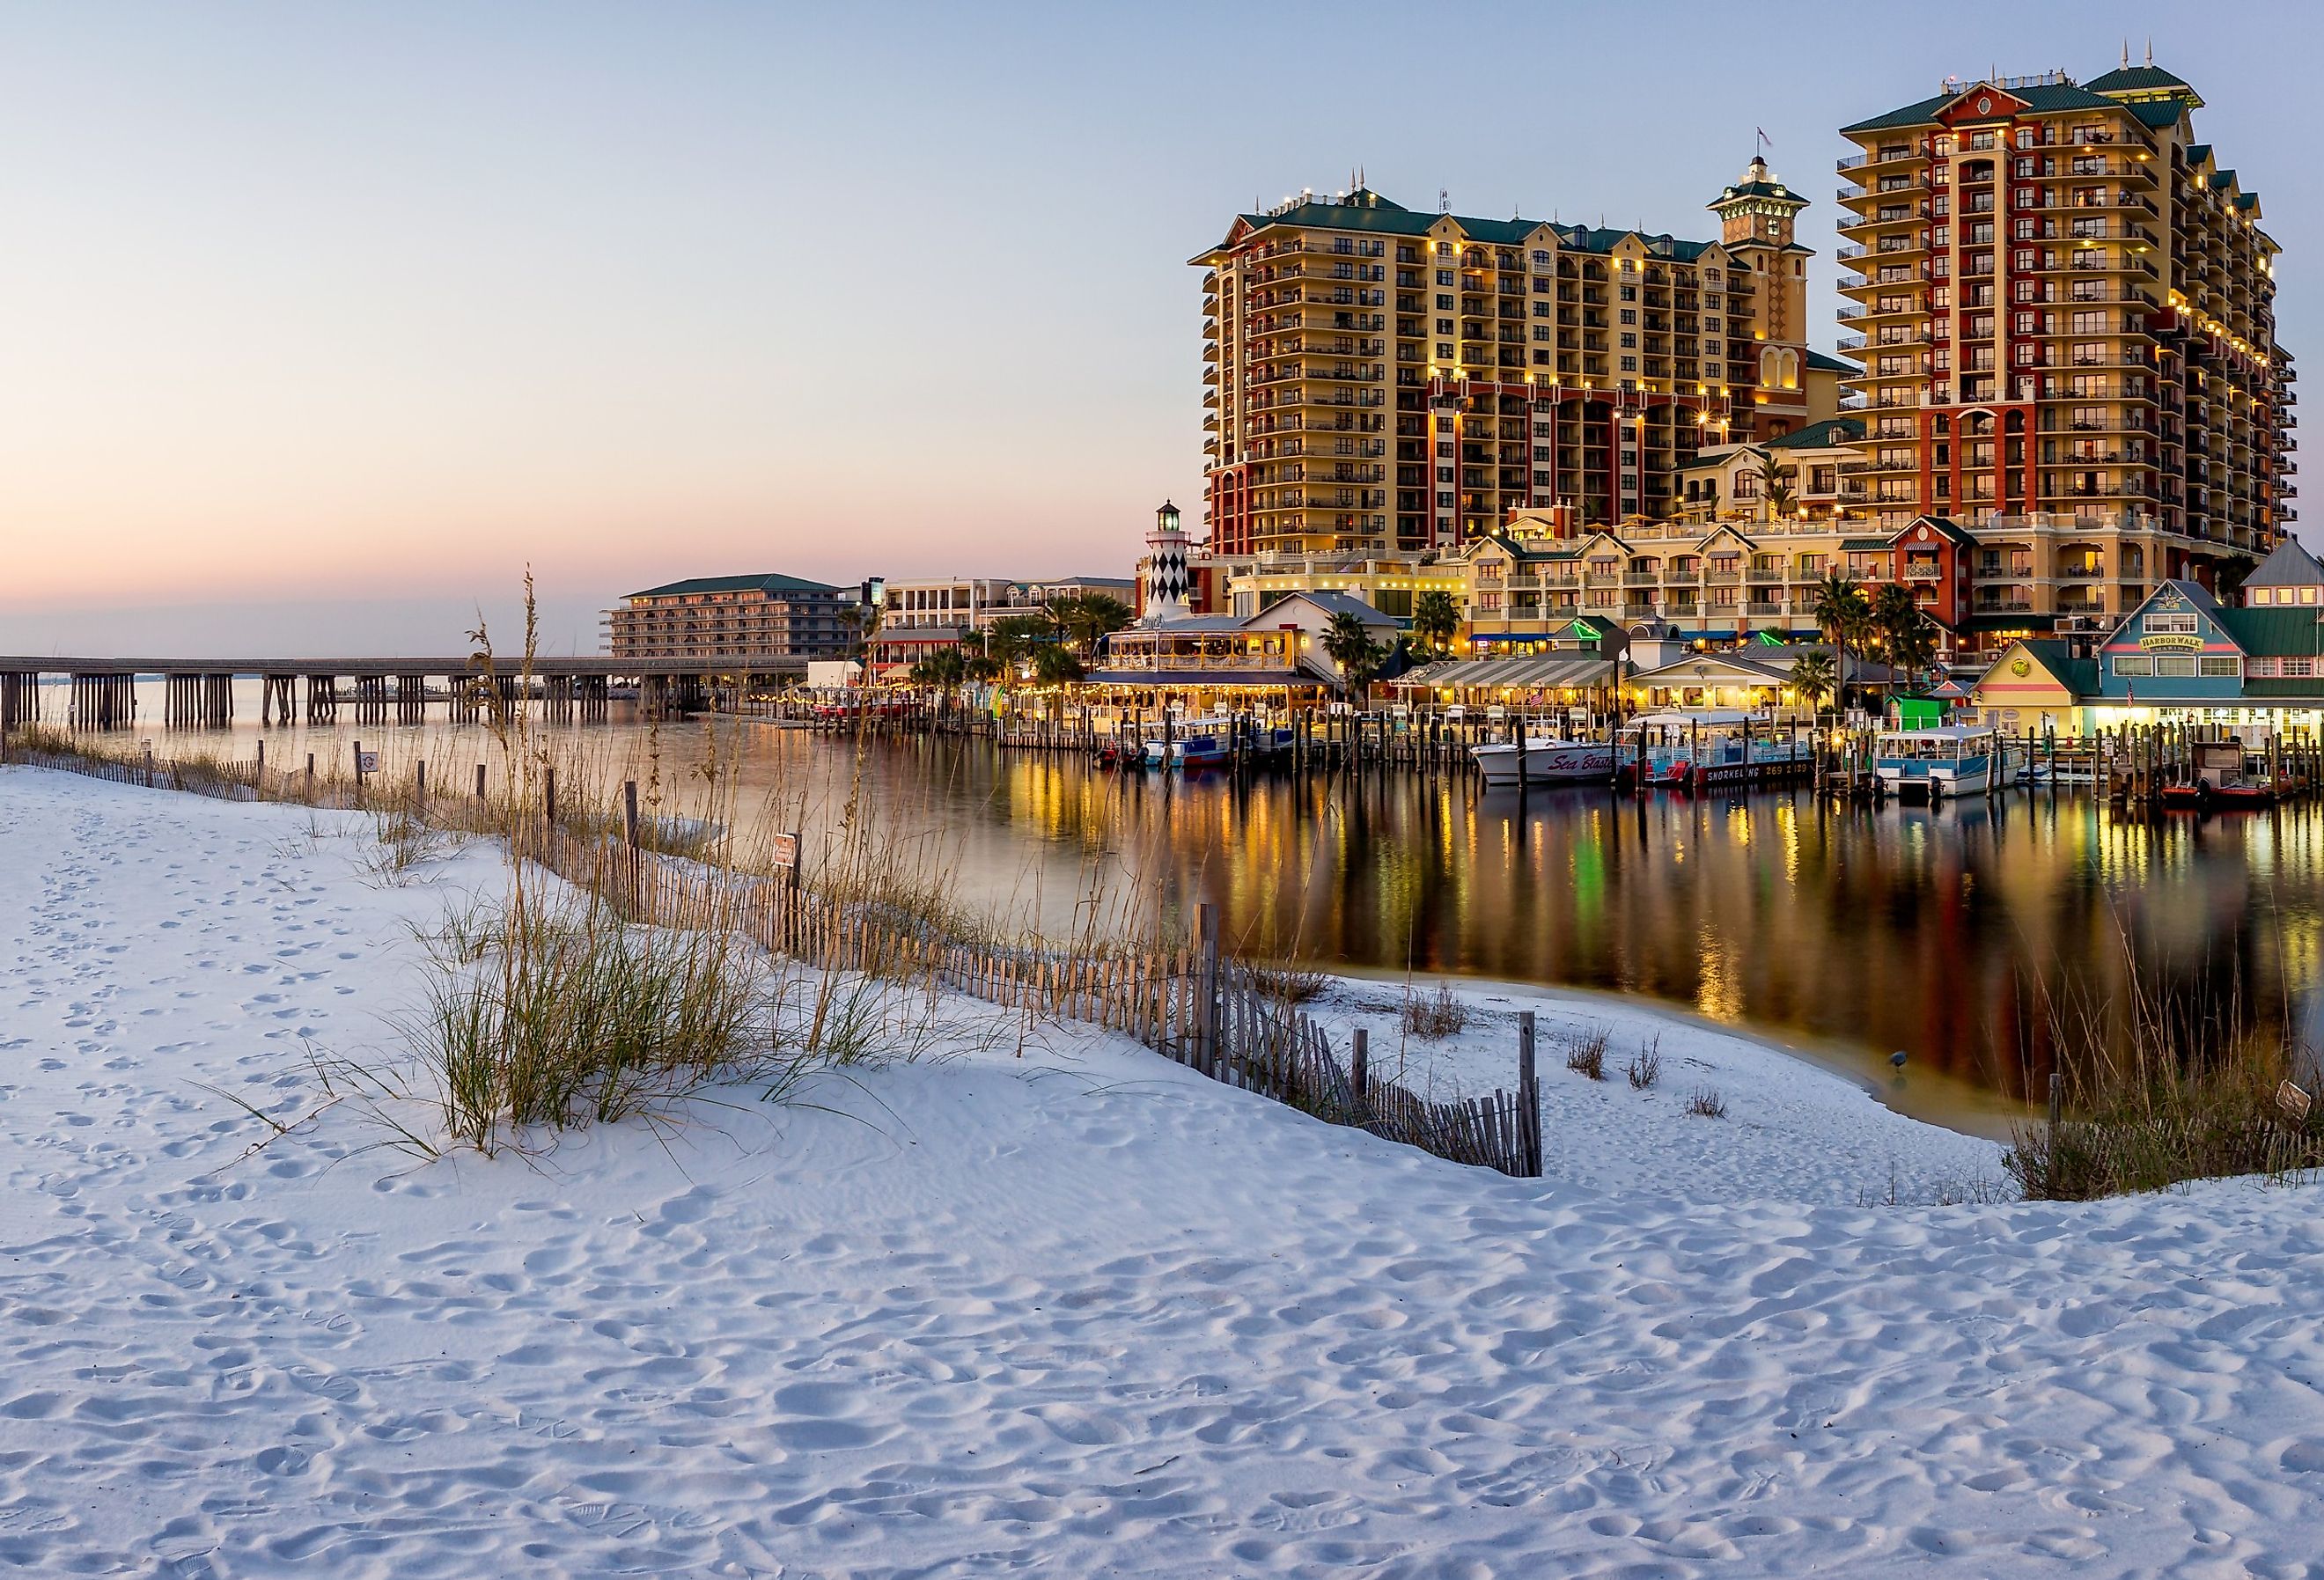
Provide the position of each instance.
(2065, 312)
(1383, 381)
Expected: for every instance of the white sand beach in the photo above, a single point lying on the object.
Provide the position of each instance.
(1078, 1313)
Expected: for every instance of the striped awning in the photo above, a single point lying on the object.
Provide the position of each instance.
(1544, 671)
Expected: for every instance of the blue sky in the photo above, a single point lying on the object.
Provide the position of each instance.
(352, 312)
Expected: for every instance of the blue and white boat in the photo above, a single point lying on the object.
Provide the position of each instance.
(1949, 760)
(1193, 742)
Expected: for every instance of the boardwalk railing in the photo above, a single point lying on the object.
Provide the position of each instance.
(1214, 1016)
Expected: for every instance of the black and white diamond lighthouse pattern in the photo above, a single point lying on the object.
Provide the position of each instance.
(1165, 568)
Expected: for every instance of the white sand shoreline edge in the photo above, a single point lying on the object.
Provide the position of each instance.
(1080, 1313)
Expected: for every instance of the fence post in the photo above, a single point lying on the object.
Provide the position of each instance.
(480, 781)
(1207, 989)
(258, 775)
(1360, 1063)
(548, 796)
(1528, 1097)
(358, 772)
(419, 788)
(310, 778)
(2050, 1138)
(630, 833)
(149, 765)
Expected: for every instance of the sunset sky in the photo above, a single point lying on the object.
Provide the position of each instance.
(323, 322)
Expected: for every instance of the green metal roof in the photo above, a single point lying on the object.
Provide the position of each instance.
(2138, 79)
(768, 583)
(2048, 95)
(1364, 210)
(2158, 113)
(1827, 364)
(1824, 435)
(2274, 633)
(1862, 545)
(1924, 113)
(2079, 676)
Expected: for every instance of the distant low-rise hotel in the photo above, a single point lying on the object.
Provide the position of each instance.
(766, 617)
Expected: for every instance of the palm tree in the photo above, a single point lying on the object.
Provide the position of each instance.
(1053, 665)
(1351, 647)
(1011, 640)
(1840, 613)
(1895, 615)
(1775, 480)
(1907, 631)
(1813, 677)
(1434, 618)
(941, 670)
(1087, 619)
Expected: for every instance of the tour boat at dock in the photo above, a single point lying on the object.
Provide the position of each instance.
(1208, 743)
(1545, 760)
(2219, 783)
(1942, 761)
(1699, 747)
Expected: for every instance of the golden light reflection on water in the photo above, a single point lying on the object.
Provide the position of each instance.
(1939, 933)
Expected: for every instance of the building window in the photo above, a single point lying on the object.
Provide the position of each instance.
(2227, 668)
(2162, 625)
(2133, 664)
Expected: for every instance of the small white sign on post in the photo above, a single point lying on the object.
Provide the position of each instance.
(785, 852)
(367, 762)
(2294, 1101)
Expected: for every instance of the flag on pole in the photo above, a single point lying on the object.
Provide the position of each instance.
(1764, 140)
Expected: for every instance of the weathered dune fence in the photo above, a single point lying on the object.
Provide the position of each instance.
(1211, 1013)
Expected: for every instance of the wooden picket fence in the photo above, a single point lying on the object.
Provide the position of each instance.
(1212, 1014)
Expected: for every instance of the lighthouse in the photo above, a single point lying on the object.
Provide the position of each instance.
(1165, 568)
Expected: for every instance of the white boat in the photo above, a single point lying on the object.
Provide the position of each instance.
(1545, 761)
(1948, 759)
(1682, 746)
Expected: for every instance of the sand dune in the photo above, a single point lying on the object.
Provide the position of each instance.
(1077, 1314)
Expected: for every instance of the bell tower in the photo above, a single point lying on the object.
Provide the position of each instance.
(1755, 217)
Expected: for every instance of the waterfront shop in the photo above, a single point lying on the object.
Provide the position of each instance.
(1272, 661)
(1565, 678)
(2182, 657)
(1756, 675)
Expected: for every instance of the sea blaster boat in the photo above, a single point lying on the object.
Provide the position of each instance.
(1546, 760)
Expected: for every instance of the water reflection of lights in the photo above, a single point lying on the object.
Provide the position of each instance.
(1896, 927)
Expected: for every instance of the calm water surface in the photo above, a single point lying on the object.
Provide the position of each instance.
(1953, 934)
